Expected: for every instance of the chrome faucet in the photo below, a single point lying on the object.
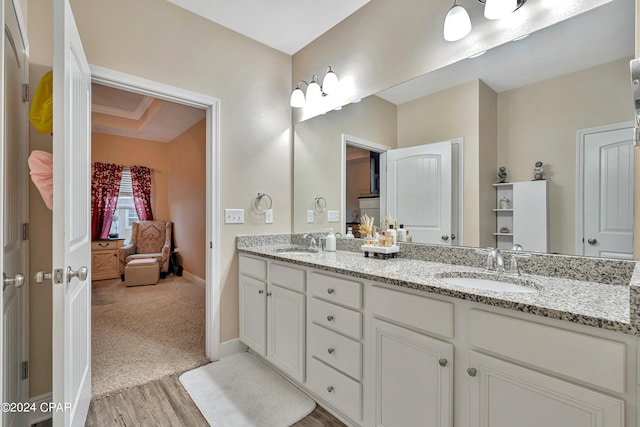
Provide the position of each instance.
(495, 261)
(312, 243)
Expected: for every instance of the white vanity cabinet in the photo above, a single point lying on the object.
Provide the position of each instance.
(272, 313)
(559, 377)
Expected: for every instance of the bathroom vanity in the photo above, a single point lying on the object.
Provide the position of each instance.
(389, 343)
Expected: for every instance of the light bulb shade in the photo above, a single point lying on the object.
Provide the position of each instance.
(297, 98)
(330, 82)
(314, 93)
(457, 23)
(497, 9)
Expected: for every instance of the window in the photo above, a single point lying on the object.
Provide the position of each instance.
(125, 213)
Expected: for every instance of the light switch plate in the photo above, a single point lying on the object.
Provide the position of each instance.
(333, 216)
(234, 216)
(268, 216)
(309, 217)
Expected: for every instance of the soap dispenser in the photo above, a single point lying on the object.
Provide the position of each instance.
(330, 241)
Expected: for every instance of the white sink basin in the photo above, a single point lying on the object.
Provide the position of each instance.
(487, 284)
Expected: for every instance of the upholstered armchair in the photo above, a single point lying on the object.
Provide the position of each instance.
(149, 239)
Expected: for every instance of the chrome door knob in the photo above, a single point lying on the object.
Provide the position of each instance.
(17, 281)
(80, 273)
(445, 237)
(592, 241)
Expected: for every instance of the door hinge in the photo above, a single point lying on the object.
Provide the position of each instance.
(25, 231)
(24, 370)
(25, 92)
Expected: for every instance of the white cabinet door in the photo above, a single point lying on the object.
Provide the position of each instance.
(413, 378)
(507, 395)
(253, 313)
(531, 216)
(286, 331)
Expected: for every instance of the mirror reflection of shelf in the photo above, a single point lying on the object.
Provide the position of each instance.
(526, 218)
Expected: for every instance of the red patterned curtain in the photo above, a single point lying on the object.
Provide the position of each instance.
(141, 184)
(105, 186)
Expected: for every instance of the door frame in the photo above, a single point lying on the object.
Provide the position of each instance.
(580, 151)
(211, 106)
(365, 144)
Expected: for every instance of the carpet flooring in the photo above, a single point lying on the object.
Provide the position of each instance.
(144, 333)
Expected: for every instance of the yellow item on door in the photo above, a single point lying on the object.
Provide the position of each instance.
(41, 113)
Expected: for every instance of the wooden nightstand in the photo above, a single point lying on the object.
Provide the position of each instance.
(104, 259)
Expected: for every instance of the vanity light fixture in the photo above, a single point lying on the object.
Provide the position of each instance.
(498, 9)
(315, 92)
(457, 23)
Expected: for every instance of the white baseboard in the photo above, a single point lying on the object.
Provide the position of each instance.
(38, 416)
(230, 347)
(193, 278)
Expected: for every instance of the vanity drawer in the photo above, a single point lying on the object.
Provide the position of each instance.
(424, 313)
(253, 267)
(336, 388)
(287, 277)
(338, 351)
(335, 317)
(590, 359)
(103, 245)
(336, 289)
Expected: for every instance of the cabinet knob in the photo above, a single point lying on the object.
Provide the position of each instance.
(592, 241)
(330, 291)
(330, 350)
(330, 318)
(443, 362)
(268, 294)
(472, 372)
(330, 389)
(445, 237)
(261, 292)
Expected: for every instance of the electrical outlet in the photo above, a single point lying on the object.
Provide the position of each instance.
(333, 216)
(268, 217)
(234, 216)
(310, 217)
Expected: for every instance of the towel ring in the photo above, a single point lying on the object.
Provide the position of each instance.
(319, 204)
(257, 201)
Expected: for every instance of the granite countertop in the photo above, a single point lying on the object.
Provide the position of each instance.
(599, 305)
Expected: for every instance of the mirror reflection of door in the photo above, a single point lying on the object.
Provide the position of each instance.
(14, 216)
(606, 206)
(420, 192)
(362, 186)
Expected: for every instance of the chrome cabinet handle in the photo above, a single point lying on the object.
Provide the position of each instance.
(330, 389)
(472, 372)
(268, 294)
(445, 237)
(330, 318)
(17, 281)
(443, 362)
(330, 350)
(261, 292)
(592, 241)
(80, 273)
(330, 291)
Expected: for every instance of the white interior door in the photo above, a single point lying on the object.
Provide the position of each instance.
(71, 221)
(608, 193)
(14, 214)
(418, 191)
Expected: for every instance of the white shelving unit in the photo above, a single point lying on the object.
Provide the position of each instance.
(525, 221)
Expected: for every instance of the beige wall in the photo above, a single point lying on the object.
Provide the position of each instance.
(539, 122)
(127, 151)
(187, 196)
(487, 167)
(162, 42)
(317, 168)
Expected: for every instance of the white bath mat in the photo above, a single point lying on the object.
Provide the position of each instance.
(240, 390)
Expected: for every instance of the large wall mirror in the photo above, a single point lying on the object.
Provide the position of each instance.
(548, 97)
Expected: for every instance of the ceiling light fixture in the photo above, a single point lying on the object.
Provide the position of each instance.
(315, 92)
(457, 23)
(498, 9)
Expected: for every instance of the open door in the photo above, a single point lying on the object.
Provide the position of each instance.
(71, 221)
(14, 385)
(419, 191)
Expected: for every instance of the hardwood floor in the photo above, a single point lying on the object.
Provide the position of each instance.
(166, 403)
